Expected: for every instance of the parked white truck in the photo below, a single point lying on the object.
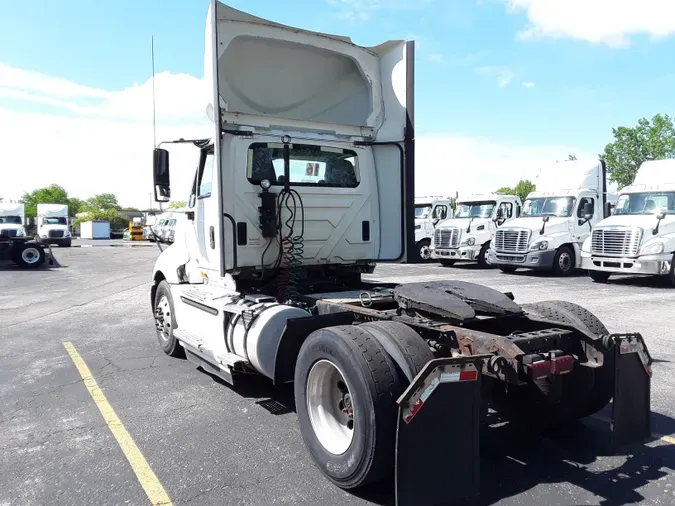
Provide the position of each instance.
(12, 219)
(467, 235)
(571, 197)
(304, 186)
(52, 224)
(639, 238)
(429, 211)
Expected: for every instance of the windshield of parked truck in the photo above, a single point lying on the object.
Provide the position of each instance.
(646, 203)
(55, 221)
(422, 210)
(309, 165)
(14, 220)
(475, 209)
(560, 207)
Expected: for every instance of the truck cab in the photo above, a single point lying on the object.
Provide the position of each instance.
(639, 238)
(429, 211)
(466, 236)
(52, 224)
(12, 220)
(571, 198)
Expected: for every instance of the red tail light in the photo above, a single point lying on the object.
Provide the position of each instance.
(555, 366)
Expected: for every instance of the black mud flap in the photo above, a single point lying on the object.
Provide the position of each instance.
(631, 408)
(437, 445)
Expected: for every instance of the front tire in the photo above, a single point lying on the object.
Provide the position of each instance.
(563, 262)
(508, 270)
(423, 250)
(483, 256)
(447, 263)
(599, 276)
(346, 388)
(165, 321)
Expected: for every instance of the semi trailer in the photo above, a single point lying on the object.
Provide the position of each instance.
(639, 238)
(265, 275)
(467, 236)
(429, 211)
(570, 199)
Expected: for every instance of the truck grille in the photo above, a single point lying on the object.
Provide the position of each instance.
(512, 241)
(56, 233)
(616, 242)
(9, 232)
(446, 237)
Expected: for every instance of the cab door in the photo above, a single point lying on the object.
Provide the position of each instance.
(198, 230)
(583, 229)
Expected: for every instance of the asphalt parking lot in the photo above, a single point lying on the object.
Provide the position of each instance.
(208, 443)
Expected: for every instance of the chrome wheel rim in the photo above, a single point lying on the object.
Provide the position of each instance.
(425, 253)
(163, 317)
(565, 262)
(30, 256)
(330, 407)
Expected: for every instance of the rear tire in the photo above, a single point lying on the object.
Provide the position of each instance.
(338, 367)
(165, 321)
(405, 346)
(447, 263)
(600, 380)
(563, 262)
(29, 256)
(599, 276)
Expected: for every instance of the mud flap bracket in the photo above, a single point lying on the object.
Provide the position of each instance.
(437, 440)
(631, 407)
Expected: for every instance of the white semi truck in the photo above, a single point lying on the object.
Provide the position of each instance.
(52, 224)
(12, 219)
(14, 245)
(639, 238)
(303, 187)
(467, 235)
(429, 211)
(570, 199)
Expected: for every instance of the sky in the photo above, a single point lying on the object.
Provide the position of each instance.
(502, 86)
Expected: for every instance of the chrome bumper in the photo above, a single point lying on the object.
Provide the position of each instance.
(529, 260)
(463, 253)
(646, 264)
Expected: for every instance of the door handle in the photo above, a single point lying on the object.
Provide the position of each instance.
(190, 215)
(212, 237)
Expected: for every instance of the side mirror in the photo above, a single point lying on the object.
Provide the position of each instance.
(160, 175)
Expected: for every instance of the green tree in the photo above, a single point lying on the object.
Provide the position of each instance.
(522, 189)
(177, 204)
(52, 194)
(649, 139)
(102, 201)
(75, 205)
(116, 219)
(133, 209)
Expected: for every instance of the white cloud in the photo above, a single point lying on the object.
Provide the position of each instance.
(502, 75)
(449, 163)
(108, 148)
(528, 84)
(610, 22)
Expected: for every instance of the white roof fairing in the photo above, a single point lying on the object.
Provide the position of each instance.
(271, 74)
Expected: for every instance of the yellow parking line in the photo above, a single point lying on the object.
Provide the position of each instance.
(667, 439)
(147, 478)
